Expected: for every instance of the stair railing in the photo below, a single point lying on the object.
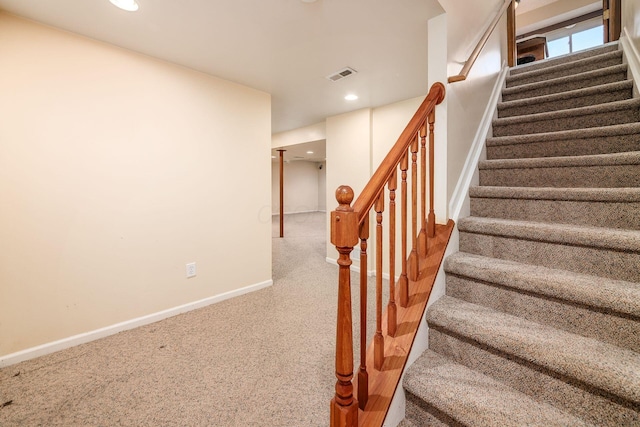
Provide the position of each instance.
(350, 225)
(508, 6)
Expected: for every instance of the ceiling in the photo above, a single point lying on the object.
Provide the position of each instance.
(314, 151)
(283, 47)
(576, 8)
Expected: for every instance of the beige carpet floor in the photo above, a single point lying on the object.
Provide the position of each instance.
(262, 359)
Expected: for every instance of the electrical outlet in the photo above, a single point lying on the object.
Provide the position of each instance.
(191, 269)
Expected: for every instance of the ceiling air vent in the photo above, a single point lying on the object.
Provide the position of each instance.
(345, 72)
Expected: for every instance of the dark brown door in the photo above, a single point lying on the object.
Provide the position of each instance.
(611, 19)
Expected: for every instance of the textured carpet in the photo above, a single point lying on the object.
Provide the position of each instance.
(262, 359)
(540, 324)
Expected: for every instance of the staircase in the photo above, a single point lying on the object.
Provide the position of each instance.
(540, 324)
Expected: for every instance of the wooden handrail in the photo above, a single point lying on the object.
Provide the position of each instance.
(483, 41)
(350, 225)
(369, 194)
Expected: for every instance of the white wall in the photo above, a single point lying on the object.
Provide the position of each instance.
(301, 188)
(115, 170)
(348, 157)
(322, 186)
(465, 101)
(631, 21)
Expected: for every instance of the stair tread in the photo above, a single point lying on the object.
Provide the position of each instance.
(571, 112)
(611, 195)
(562, 355)
(597, 292)
(609, 159)
(567, 234)
(473, 398)
(595, 132)
(570, 57)
(604, 366)
(593, 90)
(587, 75)
(564, 66)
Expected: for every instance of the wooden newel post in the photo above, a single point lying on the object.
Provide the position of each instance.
(344, 235)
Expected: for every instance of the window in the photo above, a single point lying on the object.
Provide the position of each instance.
(575, 37)
(560, 46)
(588, 38)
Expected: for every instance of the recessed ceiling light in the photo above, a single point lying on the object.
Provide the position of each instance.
(128, 5)
(273, 157)
(308, 1)
(351, 97)
(309, 152)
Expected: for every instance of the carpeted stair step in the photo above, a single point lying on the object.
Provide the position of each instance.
(408, 423)
(617, 91)
(597, 207)
(601, 76)
(587, 53)
(443, 392)
(575, 142)
(597, 251)
(591, 306)
(584, 65)
(595, 381)
(596, 171)
(612, 113)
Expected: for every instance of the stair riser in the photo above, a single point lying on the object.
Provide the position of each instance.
(597, 214)
(570, 317)
(567, 147)
(538, 65)
(535, 381)
(581, 259)
(565, 104)
(573, 177)
(554, 124)
(422, 414)
(564, 71)
(574, 84)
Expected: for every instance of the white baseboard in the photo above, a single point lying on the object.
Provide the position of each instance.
(356, 269)
(632, 57)
(296, 212)
(41, 350)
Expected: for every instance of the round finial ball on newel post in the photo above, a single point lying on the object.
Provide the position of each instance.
(344, 196)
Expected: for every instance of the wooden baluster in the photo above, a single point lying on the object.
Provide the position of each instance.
(431, 221)
(403, 282)
(378, 339)
(392, 310)
(422, 238)
(344, 235)
(363, 375)
(413, 258)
